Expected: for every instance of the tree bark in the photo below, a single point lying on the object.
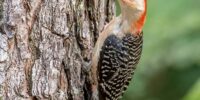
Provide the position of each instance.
(46, 47)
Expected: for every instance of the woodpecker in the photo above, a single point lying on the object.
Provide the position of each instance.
(118, 50)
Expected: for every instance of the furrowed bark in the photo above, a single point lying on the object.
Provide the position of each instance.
(46, 47)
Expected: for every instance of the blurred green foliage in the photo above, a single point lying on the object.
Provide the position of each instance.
(194, 93)
(170, 65)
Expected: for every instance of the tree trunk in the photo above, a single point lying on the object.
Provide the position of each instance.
(46, 47)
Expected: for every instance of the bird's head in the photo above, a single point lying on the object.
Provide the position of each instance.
(134, 11)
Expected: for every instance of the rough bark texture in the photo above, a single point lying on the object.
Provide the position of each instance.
(46, 47)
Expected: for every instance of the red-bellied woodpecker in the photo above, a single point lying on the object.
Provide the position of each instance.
(118, 49)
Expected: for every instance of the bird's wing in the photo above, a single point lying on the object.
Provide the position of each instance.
(111, 67)
(116, 65)
(109, 64)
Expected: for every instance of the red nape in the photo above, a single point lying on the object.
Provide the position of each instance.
(140, 23)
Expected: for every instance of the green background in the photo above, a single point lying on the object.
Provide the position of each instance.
(170, 65)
